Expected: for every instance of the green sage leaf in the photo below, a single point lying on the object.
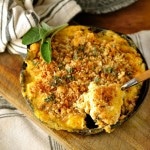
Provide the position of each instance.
(46, 50)
(46, 26)
(41, 32)
(58, 28)
(31, 36)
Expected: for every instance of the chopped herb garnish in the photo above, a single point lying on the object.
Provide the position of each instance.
(70, 78)
(129, 73)
(44, 33)
(56, 81)
(75, 56)
(108, 70)
(61, 66)
(69, 70)
(81, 47)
(95, 52)
(96, 80)
(50, 98)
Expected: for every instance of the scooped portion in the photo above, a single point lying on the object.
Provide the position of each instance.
(102, 103)
(83, 79)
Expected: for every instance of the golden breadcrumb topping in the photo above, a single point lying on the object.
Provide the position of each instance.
(84, 77)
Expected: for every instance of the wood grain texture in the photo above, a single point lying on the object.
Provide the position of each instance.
(130, 19)
(144, 76)
(133, 134)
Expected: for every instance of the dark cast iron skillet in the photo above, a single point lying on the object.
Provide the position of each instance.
(91, 127)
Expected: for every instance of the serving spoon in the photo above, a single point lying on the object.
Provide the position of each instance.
(137, 79)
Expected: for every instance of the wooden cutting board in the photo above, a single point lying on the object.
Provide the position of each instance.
(133, 134)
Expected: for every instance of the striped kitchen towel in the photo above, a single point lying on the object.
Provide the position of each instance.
(19, 133)
(18, 16)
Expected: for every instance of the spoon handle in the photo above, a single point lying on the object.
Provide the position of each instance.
(138, 78)
(143, 76)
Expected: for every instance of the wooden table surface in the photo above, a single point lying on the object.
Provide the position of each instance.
(130, 19)
(135, 133)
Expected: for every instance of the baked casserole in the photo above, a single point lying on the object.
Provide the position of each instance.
(79, 90)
